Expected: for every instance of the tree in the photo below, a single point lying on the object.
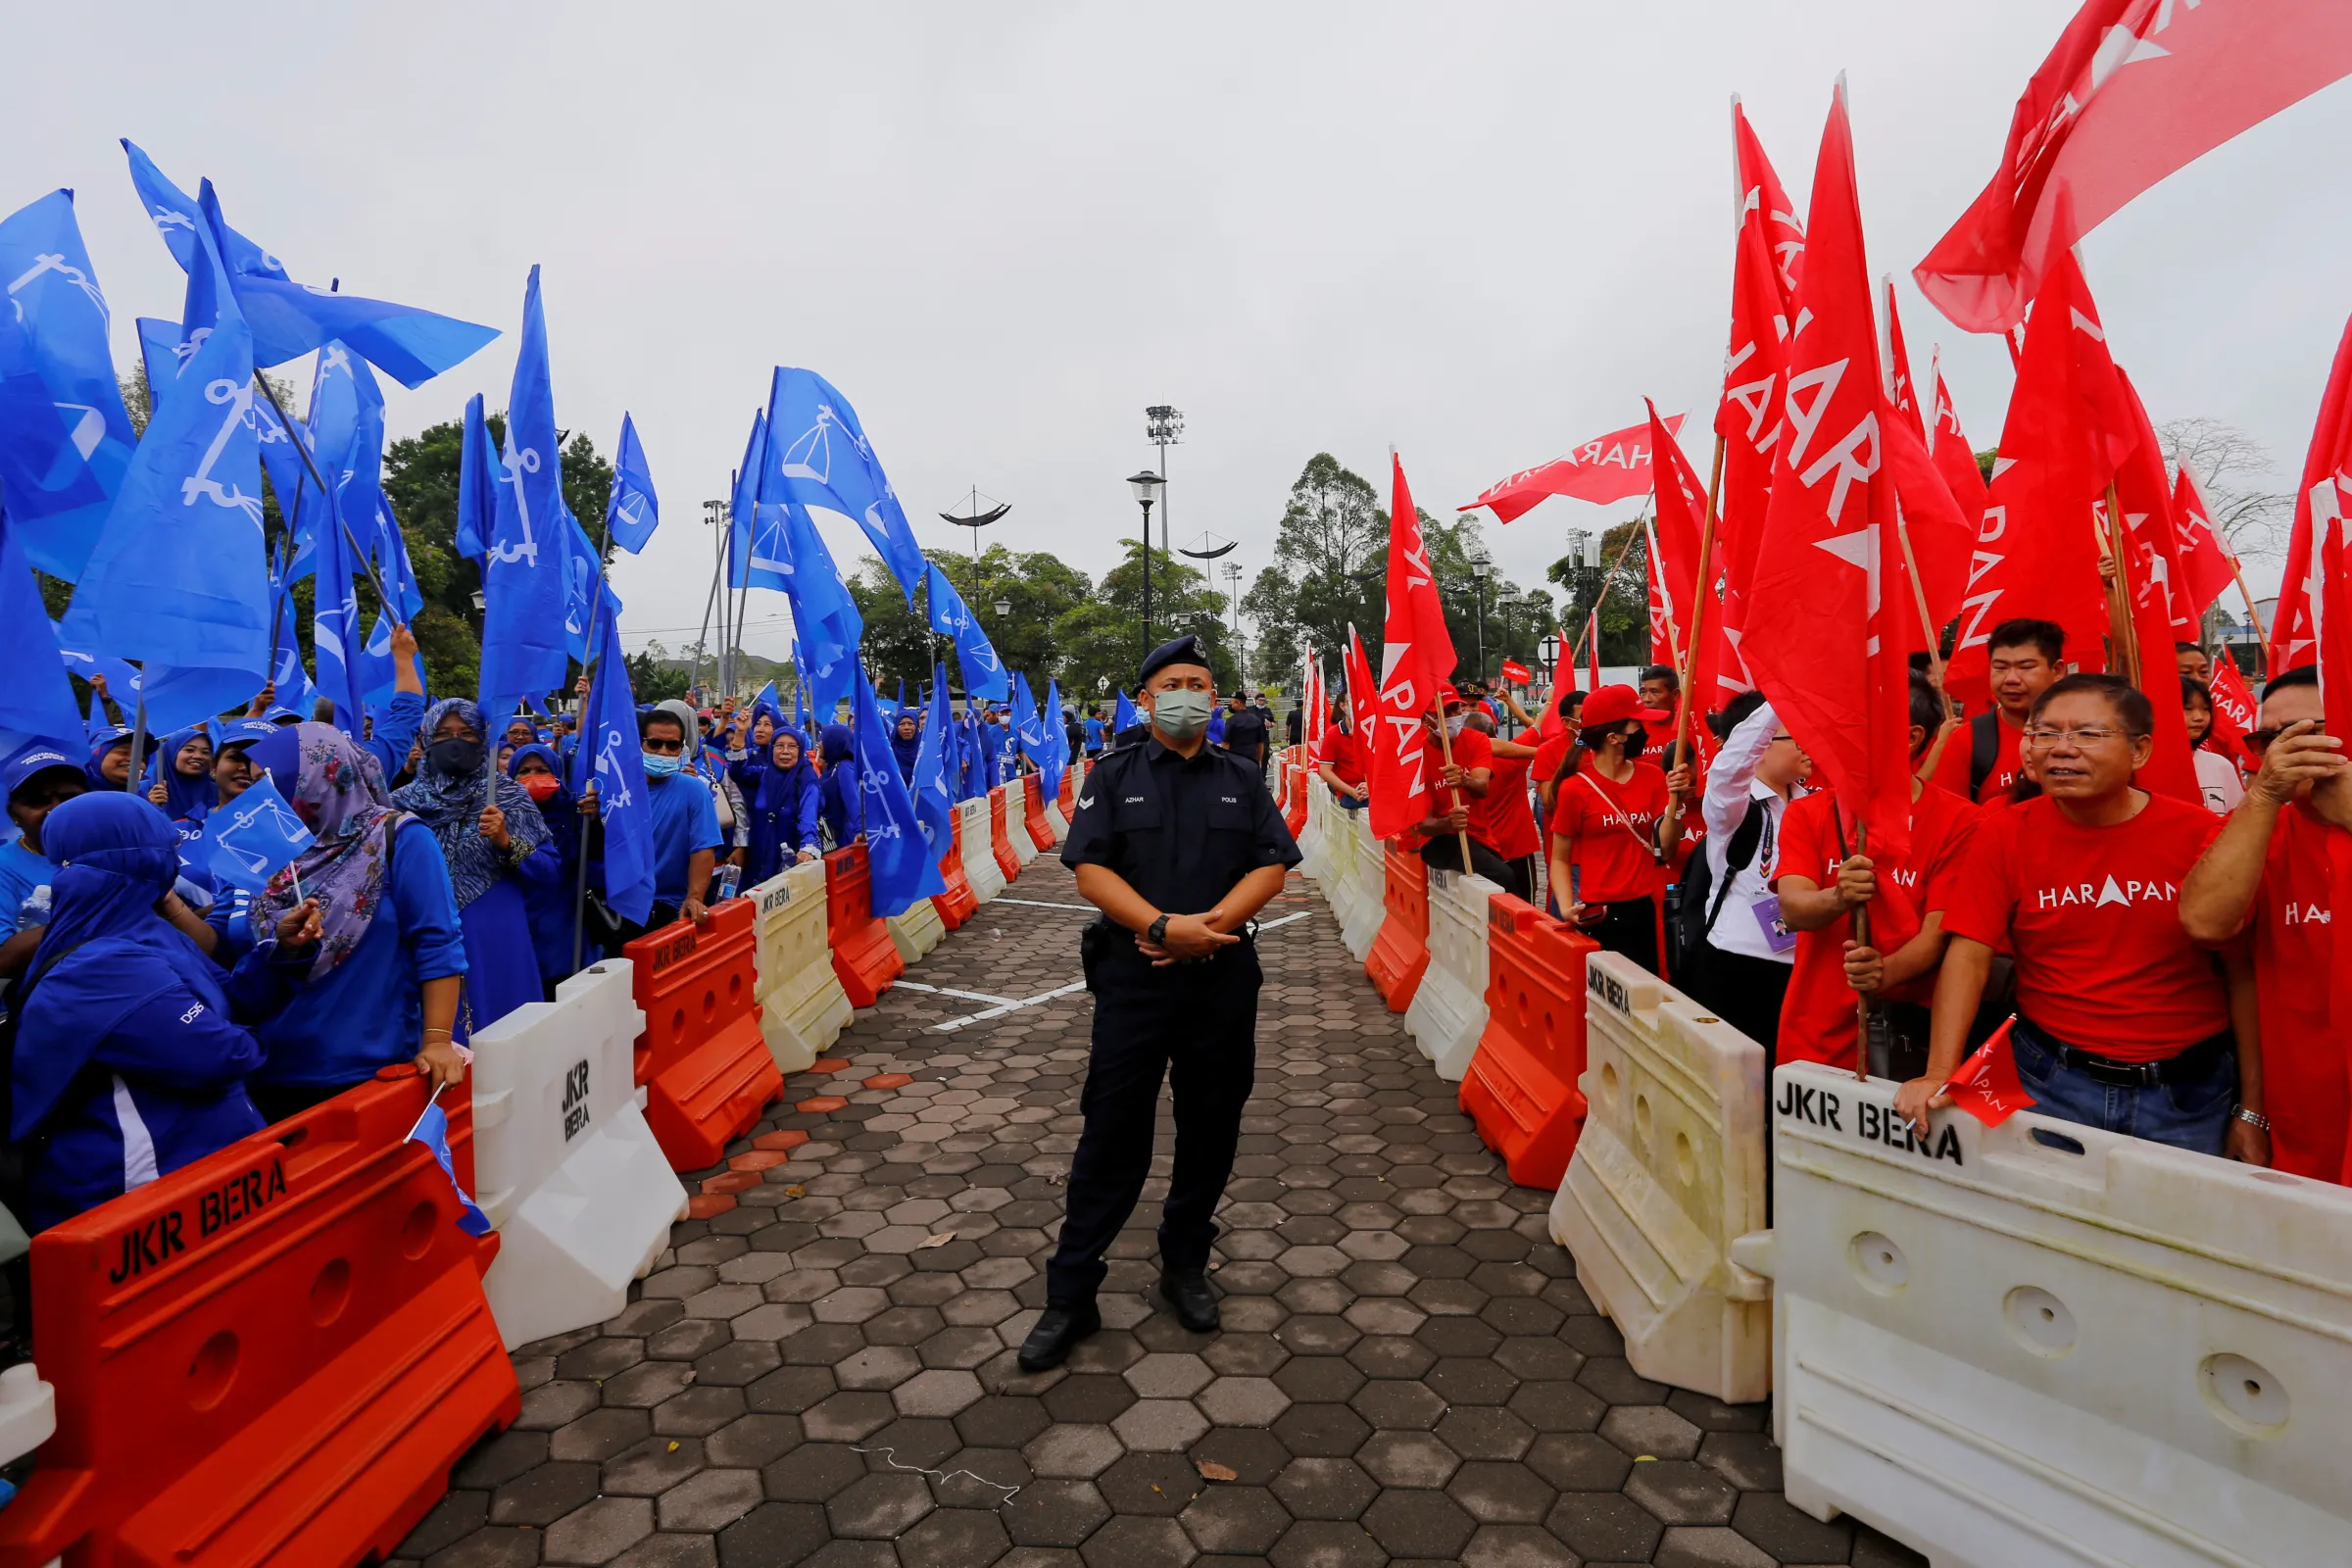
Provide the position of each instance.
(1103, 637)
(2251, 520)
(1327, 571)
(1449, 547)
(652, 679)
(1623, 583)
(1039, 588)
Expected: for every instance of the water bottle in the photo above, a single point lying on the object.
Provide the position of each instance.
(730, 877)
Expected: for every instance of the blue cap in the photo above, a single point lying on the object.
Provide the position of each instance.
(1185, 650)
(245, 731)
(36, 758)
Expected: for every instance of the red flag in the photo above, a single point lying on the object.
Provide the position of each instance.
(1516, 674)
(1682, 501)
(2294, 630)
(1416, 658)
(1955, 458)
(1593, 651)
(1748, 418)
(2235, 712)
(1830, 565)
(1603, 470)
(2038, 551)
(1939, 535)
(1664, 634)
(1361, 693)
(1899, 370)
(2147, 571)
(1987, 1086)
(1563, 678)
(2134, 90)
(2207, 565)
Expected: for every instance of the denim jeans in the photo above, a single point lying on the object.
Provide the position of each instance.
(2192, 1114)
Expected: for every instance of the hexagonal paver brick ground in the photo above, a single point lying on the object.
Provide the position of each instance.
(822, 1371)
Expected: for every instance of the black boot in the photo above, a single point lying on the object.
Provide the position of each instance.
(1195, 1302)
(1058, 1331)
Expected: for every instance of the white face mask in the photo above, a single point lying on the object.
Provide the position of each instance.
(1454, 723)
(1180, 715)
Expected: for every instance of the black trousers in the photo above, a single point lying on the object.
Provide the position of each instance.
(1197, 1026)
(1631, 928)
(1445, 853)
(1744, 991)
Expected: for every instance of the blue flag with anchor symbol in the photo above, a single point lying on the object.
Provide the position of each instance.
(824, 617)
(526, 568)
(178, 578)
(757, 555)
(634, 511)
(934, 796)
(983, 671)
(478, 480)
(289, 318)
(336, 646)
(65, 438)
(818, 456)
(903, 864)
(1028, 731)
(1057, 760)
(610, 759)
(254, 837)
(36, 698)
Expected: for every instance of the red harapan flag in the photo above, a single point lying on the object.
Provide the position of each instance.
(1516, 674)
(1986, 1085)
(2208, 565)
(2148, 574)
(1416, 658)
(1361, 693)
(2134, 90)
(1606, 468)
(1822, 643)
(2295, 624)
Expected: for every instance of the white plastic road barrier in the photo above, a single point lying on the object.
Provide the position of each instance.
(802, 1008)
(980, 866)
(1370, 903)
(915, 932)
(1332, 858)
(568, 1171)
(27, 1412)
(1668, 1175)
(1313, 853)
(1016, 821)
(1448, 1010)
(2043, 1344)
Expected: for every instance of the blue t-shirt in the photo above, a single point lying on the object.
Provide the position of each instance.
(684, 821)
(1094, 734)
(366, 1012)
(20, 871)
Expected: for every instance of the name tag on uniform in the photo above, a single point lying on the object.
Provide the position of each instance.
(1777, 934)
(1134, 800)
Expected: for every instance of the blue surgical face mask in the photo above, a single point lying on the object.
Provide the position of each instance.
(662, 765)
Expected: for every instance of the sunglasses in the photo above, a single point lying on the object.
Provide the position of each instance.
(664, 748)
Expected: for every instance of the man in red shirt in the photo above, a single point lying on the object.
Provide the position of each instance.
(1459, 794)
(2122, 1022)
(1615, 822)
(1340, 760)
(1979, 763)
(2274, 866)
(1502, 818)
(1822, 881)
(1555, 754)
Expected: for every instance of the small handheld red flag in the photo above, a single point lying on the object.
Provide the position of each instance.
(1987, 1086)
(1515, 672)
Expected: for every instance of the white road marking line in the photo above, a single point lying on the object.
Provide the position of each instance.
(947, 991)
(1010, 1006)
(1034, 903)
(1268, 925)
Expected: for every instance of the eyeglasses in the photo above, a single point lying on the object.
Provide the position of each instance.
(664, 748)
(2043, 739)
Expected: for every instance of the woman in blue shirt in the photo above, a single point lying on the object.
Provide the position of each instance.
(906, 743)
(838, 805)
(486, 841)
(384, 987)
(551, 879)
(131, 1047)
(780, 791)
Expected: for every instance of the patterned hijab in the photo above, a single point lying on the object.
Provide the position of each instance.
(337, 789)
(451, 804)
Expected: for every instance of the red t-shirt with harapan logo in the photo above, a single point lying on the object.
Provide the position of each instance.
(1340, 749)
(1501, 819)
(2304, 1062)
(2091, 916)
(1817, 1014)
(1609, 828)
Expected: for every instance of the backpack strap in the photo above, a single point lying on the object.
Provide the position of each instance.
(1984, 750)
(1737, 855)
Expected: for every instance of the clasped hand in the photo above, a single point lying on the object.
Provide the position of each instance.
(1189, 939)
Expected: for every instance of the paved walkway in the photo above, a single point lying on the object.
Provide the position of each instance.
(822, 1370)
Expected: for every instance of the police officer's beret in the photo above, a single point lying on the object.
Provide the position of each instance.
(1186, 650)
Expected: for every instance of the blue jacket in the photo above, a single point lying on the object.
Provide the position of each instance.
(395, 727)
(783, 806)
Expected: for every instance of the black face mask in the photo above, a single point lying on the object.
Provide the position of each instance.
(1635, 739)
(456, 757)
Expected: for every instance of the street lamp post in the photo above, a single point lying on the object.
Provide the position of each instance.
(1233, 581)
(1146, 486)
(1481, 564)
(1163, 427)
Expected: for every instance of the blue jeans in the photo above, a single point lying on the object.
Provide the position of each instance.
(2193, 1114)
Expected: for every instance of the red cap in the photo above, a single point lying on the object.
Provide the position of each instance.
(1447, 697)
(1610, 704)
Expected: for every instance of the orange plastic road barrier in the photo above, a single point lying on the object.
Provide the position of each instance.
(1399, 955)
(705, 1067)
(999, 837)
(864, 956)
(955, 906)
(1041, 831)
(272, 1355)
(1067, 795)
(1521, 1087)
(1295, 815)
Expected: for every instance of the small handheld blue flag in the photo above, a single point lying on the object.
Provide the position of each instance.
(633, 511)
(254, 837)
(36, 698)
(1124, 715)
(478, 480)
(432, 1131)
(983, 671)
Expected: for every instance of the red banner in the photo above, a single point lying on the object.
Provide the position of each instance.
(1606, 468)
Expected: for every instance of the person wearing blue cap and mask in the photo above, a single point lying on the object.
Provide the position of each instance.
(37, 780)
(132, 1046)
(1179, 845)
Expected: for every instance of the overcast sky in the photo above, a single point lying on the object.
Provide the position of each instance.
(1480, 232)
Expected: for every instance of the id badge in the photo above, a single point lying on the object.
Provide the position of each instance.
(1777, 934)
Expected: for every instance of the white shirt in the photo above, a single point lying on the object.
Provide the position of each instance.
(1734, 790)
(2218, 780)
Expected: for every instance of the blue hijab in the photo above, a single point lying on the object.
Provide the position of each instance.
(560, 812)
(906, 748)
(185, 797)
(451, 804)
(105, 740)
(106, 951)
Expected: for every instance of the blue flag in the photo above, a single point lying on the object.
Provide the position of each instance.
(756, 554)
(159, 356)
(1057, 760)
(336, 645)
(611, 760)
(432, 1131)
(769, 699)
(905, 865)
(934, 796)
(528, 566)
(820, 456)
(179, 577)
(300, 503)
(65, 438)
(1124, 715)
(286, 674)
(633, 511)
(1027, 733)
(36, 697)
(121, 679)
(253, 838)
(983, 671)
(824, 616)
(289, 318)
(478, 480)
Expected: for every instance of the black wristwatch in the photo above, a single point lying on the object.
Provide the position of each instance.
(1156, 933)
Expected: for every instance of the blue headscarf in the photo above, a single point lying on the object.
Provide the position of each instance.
(105, 740)
(106, 951)
(780, 786)
(451, 804)
(839, 746)
(184, 797)
(560, 812)
(905, 748)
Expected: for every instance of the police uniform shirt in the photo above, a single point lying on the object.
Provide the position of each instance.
(1181, 831)
(1245, 731)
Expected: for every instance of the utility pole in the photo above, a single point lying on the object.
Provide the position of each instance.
(1163, 427)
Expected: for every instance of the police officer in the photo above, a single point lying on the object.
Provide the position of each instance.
(1179, 845)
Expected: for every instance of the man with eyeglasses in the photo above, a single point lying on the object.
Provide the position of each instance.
(2122, 1022)
(2272, 868)
(2023, 657)
(685, 826)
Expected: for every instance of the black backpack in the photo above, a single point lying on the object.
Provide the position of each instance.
(1984, 750)
(1698, 902)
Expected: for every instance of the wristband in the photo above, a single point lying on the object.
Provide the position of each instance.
(2254, 1120)
(1156, 932)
